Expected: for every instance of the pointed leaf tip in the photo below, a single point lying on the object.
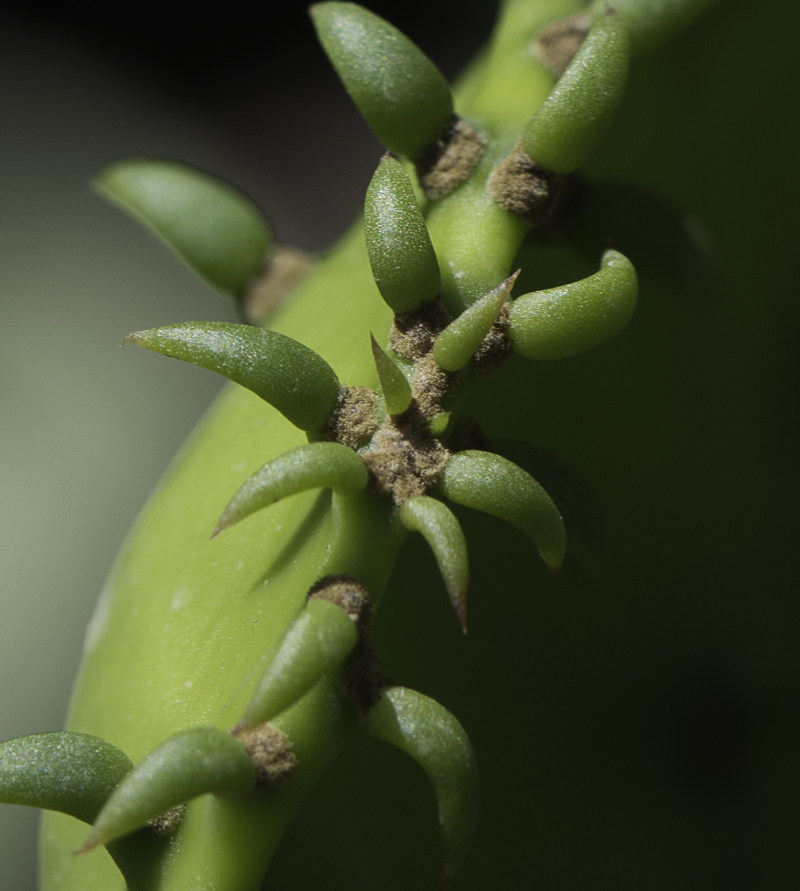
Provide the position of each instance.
(288, 375)
(435, 739)
(213, 228)
(401, 255)
(314, 645)
(456, 345)
(191, 763)
(571, 319)
(440, 528)
(496, 486)
(396, 389)
(315, 465)
(73, 773)
(400, 92)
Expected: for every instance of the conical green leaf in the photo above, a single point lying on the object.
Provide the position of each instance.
(434, 738)
(574, 318)
(495, 486)
(283, 372)
(214, 228)
(569, 125)
(191, 763)
(456, 345)
(73, 773)
(314, 645)
(396, 389)
(652, 22)
(437, 523)
(401, 94)
(317, 465)
(400, 251)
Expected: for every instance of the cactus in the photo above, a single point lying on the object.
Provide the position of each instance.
(232, 657)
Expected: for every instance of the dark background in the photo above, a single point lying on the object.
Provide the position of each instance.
(638, 733)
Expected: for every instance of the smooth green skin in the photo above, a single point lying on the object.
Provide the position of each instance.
(653, 22)
(397, 393)
(434, 738)
(440, 528)
(315, 644)
(73, 773)
(400, 251)
(283, 372)
(456, 345)
(317, 465)
(562, 322)
(215, 229)
(569, 125)
(400, 92)
(492, 484)
(191, 763)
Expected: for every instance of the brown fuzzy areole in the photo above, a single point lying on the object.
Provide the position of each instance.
(520, 186)
(451, 159)
(496, 347)
(168, 822)
(412, 336)
(271, 753)
(347, 593)
(556, 44)
(355, 417)
(285, 268)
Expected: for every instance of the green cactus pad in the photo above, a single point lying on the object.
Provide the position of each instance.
(214, 228)
(491, 484)
(567, 128)
(283, 372)
(572, 319)
(401, 94)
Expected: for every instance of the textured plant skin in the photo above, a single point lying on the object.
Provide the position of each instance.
(195, 616)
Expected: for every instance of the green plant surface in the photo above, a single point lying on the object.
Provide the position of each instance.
(544, 383)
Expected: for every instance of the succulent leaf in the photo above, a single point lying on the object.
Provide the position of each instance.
(314, 465)
(440, 528)
(434, 738)
(314, 645)
(401, 255)
(585, 519)
(396, 389)
(456, 345)
(73, 773)
(294, 379)
(491, 484)
(214, 228)
(568, 126)
(652, 22)
(574, 318)
(190, 763)
(400, 92)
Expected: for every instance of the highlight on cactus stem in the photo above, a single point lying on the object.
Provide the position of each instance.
(393, 439)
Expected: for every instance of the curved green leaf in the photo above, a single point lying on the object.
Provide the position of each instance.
(73, 773)
(314, 645)
(440, 528)
(283, 372)
(191, 763)
(568, 126)
(401, 94)
(396, 389)
(214, 228)
(315, 465)
(401, 255)
(574, 318)
(495, 486)
(434, 738)
(456, 345)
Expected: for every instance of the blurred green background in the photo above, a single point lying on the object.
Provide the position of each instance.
(639, 732)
